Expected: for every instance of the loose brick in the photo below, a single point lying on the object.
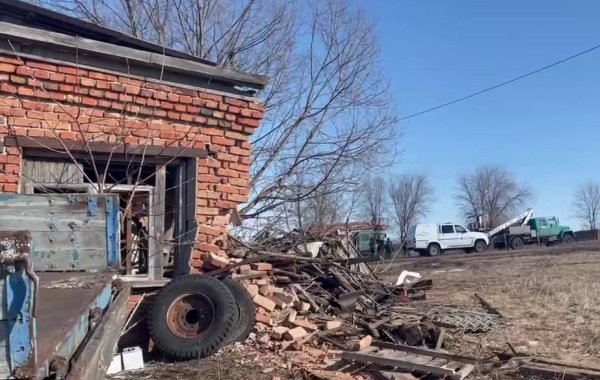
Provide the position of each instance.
(266, 290)
(261, 266)
(284, 297)
(263, 318)
(278, 332)
(305, 324)
(330, 325)
(216, 261)
(264, 302)
(295, 333)
(301, 306)
(363, 343)
(252, 289)
(208, 248)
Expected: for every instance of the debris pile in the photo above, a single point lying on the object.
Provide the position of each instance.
(332, 313)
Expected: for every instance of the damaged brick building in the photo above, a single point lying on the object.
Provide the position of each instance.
(85, 108)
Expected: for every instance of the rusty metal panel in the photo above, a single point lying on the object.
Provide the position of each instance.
(69, 231)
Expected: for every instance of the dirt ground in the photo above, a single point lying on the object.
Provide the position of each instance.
(549, 296)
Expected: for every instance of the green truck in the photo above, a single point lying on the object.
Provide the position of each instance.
(525, 229)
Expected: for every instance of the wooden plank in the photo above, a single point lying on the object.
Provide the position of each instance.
(439, 362)
(63, 222)
(540, 371)
(67, 259)
(98, 352)
(426, 351)
(53, 144)
(157, 220)
(52, 172)
(465, 371)
(35, 203)
(423, 359)
(403, 364)
(160, 61)
(453, 365)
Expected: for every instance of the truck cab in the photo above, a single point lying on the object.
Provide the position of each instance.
(433, 239)
(549, 229)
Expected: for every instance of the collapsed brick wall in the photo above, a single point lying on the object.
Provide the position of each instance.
(41, 99)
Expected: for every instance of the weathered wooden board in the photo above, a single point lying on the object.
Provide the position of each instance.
(68, 231)
(408, 358)
(36, 172)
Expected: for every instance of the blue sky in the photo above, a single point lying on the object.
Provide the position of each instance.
(545, 129)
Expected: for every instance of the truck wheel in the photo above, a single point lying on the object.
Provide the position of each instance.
(246, 313)
(191, 317)
(568, 239)
(433, 250)
(480, 246)
(517, 242)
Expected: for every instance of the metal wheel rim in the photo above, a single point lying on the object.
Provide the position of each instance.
(190, 315)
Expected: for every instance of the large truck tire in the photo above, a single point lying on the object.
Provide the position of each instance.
(246, 313)
(568, 238)
(434, 249)
(517, 242)
(191, 317)
(480, 246)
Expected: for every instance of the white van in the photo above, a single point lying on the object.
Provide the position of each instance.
(433, 239)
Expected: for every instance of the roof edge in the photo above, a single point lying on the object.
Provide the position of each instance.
(53, 44)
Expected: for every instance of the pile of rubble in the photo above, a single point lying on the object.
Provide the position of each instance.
(323, 307)
(332, 315)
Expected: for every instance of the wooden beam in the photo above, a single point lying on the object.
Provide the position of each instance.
(425, 351)
(390, 362)
(102, 147)
(98, 352)
(157, 218)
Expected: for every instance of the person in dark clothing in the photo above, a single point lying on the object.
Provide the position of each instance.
(388, 247)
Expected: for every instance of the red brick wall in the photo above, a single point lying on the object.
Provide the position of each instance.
(40, 99)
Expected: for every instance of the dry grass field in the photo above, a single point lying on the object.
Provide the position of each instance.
(549, 296)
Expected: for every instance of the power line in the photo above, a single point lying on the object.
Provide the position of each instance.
(500, 84)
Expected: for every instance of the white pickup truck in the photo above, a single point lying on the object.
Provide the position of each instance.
(433, 239)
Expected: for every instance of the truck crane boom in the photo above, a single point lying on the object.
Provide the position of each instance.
(524, 217)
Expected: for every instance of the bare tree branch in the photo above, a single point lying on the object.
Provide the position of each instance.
(411, 195)
(491, 192)
(587, 204)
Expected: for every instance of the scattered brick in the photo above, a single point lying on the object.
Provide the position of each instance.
(261, 266)
(264, 302)
(295, 333)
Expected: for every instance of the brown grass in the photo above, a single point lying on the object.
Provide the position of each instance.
(551, 302)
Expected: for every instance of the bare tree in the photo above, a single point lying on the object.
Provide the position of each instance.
(491, 192)
(587, 204)
(329, 117)
(374, 199)
(411, 195)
